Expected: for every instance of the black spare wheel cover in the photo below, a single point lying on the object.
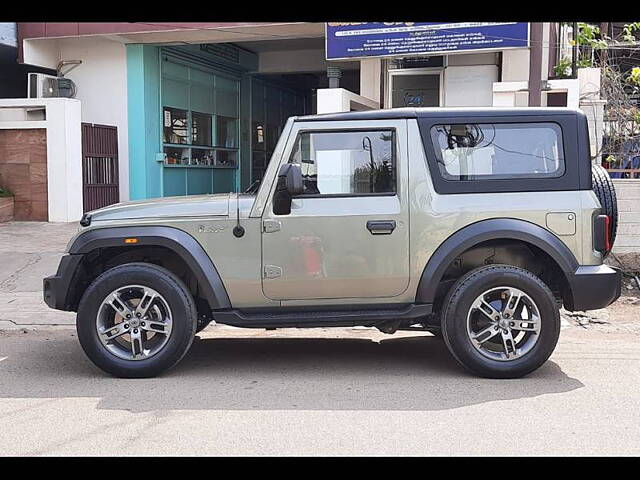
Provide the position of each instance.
(606, 193)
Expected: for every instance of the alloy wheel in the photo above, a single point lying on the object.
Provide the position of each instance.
(503, 323)
(134, 322)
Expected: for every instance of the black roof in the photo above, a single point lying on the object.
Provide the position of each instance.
(391, 113)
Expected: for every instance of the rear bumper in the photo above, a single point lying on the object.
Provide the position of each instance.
(55, 289)
(593, 287)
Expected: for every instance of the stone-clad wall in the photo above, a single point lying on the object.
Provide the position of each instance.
(627, 246)
(23, 171)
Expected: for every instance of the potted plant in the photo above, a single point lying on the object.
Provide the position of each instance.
(6, 205)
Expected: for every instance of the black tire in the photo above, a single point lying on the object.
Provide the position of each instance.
(174, 292)
(605, 191)
(458, 302)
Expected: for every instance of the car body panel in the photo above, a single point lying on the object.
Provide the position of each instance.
(323, 249)
(349, 265)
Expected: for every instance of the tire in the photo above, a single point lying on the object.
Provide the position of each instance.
(172, 317)
(459, 315)
(603, 187)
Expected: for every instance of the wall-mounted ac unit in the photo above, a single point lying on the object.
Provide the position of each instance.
(41, 85)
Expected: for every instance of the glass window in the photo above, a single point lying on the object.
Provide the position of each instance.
(176, 155)
(202, 156)
(498, 151)
(175, 126)
(200, 117)
(346, 163)
(200, 129)
(226, 158)
(226, 132)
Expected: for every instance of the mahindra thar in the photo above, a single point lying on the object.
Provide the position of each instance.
(476, 225)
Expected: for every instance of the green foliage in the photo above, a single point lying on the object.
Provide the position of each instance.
(611, 160)
(563, 68)
(5, 193)
(634, 76)
(628, 32)
(590, 35)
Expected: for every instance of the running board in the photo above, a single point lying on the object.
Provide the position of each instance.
(308, 318)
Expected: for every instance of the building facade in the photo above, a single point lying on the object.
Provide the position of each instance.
(198, 107)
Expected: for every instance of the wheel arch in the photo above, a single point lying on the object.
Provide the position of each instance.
(182, 244)
(486, 230)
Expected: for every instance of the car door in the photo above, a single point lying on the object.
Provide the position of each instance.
(347, 235)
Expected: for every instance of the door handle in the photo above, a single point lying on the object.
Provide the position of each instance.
(381, 227)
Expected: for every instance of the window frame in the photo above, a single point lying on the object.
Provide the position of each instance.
(394, 153)
(171, 58)
(572, 153)
(487, 177)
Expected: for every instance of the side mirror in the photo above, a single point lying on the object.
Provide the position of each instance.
(292, 174)
(289, 184)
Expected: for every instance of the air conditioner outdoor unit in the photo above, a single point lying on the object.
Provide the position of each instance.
(41, 85)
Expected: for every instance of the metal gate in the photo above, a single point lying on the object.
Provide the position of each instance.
(99, 166)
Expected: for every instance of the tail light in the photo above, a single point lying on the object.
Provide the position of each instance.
(601, 238)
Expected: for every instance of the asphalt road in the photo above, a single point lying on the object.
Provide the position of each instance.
(319, 392)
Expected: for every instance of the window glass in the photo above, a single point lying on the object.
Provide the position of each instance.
(176, 155)
(175, 126)
(201, 129)
(498, 151)
(201, 156)
(226, 158)
(200, 117)
(346, 163)
(226, 132)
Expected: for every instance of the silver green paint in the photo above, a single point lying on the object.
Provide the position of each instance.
(324, 252)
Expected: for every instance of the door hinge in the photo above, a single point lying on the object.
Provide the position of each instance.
(272, 271)
(270, 226)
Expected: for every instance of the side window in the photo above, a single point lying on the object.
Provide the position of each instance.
(496, 151)
(347, 162)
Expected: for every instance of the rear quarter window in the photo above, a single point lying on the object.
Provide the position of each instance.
(498, 151)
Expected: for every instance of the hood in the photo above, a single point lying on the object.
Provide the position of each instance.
(166, 207)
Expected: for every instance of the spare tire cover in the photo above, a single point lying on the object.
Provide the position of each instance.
(606, 193)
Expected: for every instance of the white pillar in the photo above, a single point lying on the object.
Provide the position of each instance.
(332, 100)
(370, 78)
(64, 159)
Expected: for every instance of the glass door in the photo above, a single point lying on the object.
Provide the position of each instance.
(415, 88)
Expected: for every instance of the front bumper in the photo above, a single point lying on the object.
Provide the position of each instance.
(55, 289)
(593, 287)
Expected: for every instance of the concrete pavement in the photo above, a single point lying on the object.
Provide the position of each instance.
(318, 392)
(30, 251)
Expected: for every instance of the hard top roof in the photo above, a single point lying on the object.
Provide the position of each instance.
(407, 112)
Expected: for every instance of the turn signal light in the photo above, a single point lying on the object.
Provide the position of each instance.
(130, 240)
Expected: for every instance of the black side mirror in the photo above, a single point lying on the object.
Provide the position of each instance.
(292, 174)
(289, 184)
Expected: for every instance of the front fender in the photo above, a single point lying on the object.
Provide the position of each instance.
(178, 241)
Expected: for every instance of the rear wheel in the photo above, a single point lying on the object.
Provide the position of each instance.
(500, 321)
(603, 187)
(136, 320)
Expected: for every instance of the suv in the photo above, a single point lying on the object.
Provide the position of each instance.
(474, 224)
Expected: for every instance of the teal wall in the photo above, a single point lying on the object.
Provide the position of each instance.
(196, 88)
(143, 92)
(191, 79)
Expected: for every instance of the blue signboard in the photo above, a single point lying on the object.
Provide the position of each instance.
(368, 39)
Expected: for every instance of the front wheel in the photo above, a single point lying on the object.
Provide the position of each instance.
(500, 321)
(136, 320)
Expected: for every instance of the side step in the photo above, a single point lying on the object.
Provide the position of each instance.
(307, 318)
